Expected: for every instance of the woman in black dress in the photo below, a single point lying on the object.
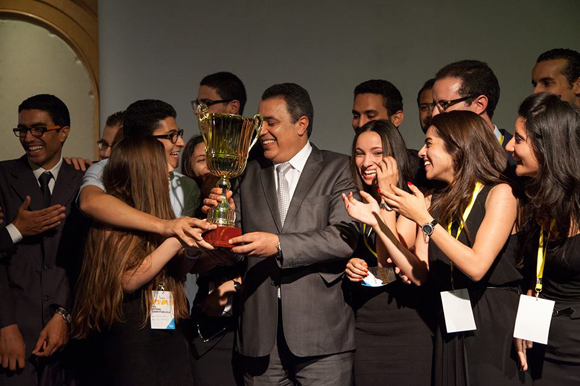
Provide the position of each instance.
(461, 240)
(125, 273)
(546, 147)
(393, 339)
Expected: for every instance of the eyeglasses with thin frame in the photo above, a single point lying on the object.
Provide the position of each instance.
(208, 102)
(444, 105)
(172, 136)
(36, 131)
(103, 145)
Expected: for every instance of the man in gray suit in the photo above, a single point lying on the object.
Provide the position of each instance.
(295, 324)
(43, 249)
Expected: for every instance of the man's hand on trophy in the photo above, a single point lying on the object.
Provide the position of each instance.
(215, 197)
(188, 230)
(258, 244)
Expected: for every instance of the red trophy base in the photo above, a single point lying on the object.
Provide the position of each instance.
(220, 236)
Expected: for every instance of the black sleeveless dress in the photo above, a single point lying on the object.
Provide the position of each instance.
(132, 354)
(485, 356)
(394, 341)
(558, 362)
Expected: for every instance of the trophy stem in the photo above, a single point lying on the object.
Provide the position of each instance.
(222, 214)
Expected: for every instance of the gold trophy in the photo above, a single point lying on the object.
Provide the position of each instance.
(228, 139)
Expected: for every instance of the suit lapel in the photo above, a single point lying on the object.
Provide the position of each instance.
(65, 187)
(311, 170)
(269, 187)
(24, 183)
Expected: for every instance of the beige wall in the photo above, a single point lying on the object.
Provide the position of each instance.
(35, 61)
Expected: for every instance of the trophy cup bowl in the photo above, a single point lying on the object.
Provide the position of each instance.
(228, 139)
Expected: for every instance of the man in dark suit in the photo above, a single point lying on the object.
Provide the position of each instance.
(295, 325)
(37, 192)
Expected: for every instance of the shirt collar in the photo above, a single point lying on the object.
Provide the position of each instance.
(38, 170)
(299, 160)
(497, 133)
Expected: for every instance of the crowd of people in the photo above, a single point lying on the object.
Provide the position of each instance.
(388, 266)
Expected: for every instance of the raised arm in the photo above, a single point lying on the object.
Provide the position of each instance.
(497, 225)
(413, 266)
(152, 264)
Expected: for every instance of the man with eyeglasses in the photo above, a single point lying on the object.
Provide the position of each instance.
(469, 85)
(42, 246)
(222, 92)
(112, 133)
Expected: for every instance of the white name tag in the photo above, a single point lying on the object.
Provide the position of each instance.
(162, 311)
(457, 311)
(533, 319)
(379, 277)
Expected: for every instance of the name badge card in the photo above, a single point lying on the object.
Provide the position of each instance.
(379, 277)
(457, 311)
(533, 319)
(162, 311)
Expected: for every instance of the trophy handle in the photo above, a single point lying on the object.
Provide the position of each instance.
(258, 121)
(202, 118)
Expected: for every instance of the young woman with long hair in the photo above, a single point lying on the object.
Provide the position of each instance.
(120, 272)
(462, 240)
(389, 313)
(546, 147)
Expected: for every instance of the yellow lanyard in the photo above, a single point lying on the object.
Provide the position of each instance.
(542, 250)
(501, 139)
(366, 240)
(476, 191)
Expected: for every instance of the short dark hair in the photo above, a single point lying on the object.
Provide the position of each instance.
(428, 85)
(52, 105)
(297, 100)
(143, 117)
(116, 119)
(572, 70)
(392, 98)
(476, 79)
(228, 86)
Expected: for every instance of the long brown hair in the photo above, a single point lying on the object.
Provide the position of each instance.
(553, 129)
(477, 157)
(137, 175)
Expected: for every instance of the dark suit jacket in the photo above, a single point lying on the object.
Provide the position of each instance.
(34, 274)
(317, 239)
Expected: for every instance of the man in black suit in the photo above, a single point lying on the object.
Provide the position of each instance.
(41, 245)
(295, 325)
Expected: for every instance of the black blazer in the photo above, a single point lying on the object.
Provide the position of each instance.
(36, 273)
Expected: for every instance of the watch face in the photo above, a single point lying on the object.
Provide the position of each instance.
(427, 229)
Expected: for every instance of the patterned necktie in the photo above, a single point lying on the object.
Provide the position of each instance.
(283, 190)
(44, 179)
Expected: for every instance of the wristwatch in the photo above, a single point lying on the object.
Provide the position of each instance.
(237, 285)
(65, 315)
(429, 227)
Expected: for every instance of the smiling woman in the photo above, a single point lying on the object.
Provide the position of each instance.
(388, 311)
(462, 240)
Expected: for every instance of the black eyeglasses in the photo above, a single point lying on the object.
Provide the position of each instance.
(172, 136)
(208, 102)
(103, 145)
(36, 131)
(444, 105)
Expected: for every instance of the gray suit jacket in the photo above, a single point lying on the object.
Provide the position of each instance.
(36, 273)
(317, 239)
